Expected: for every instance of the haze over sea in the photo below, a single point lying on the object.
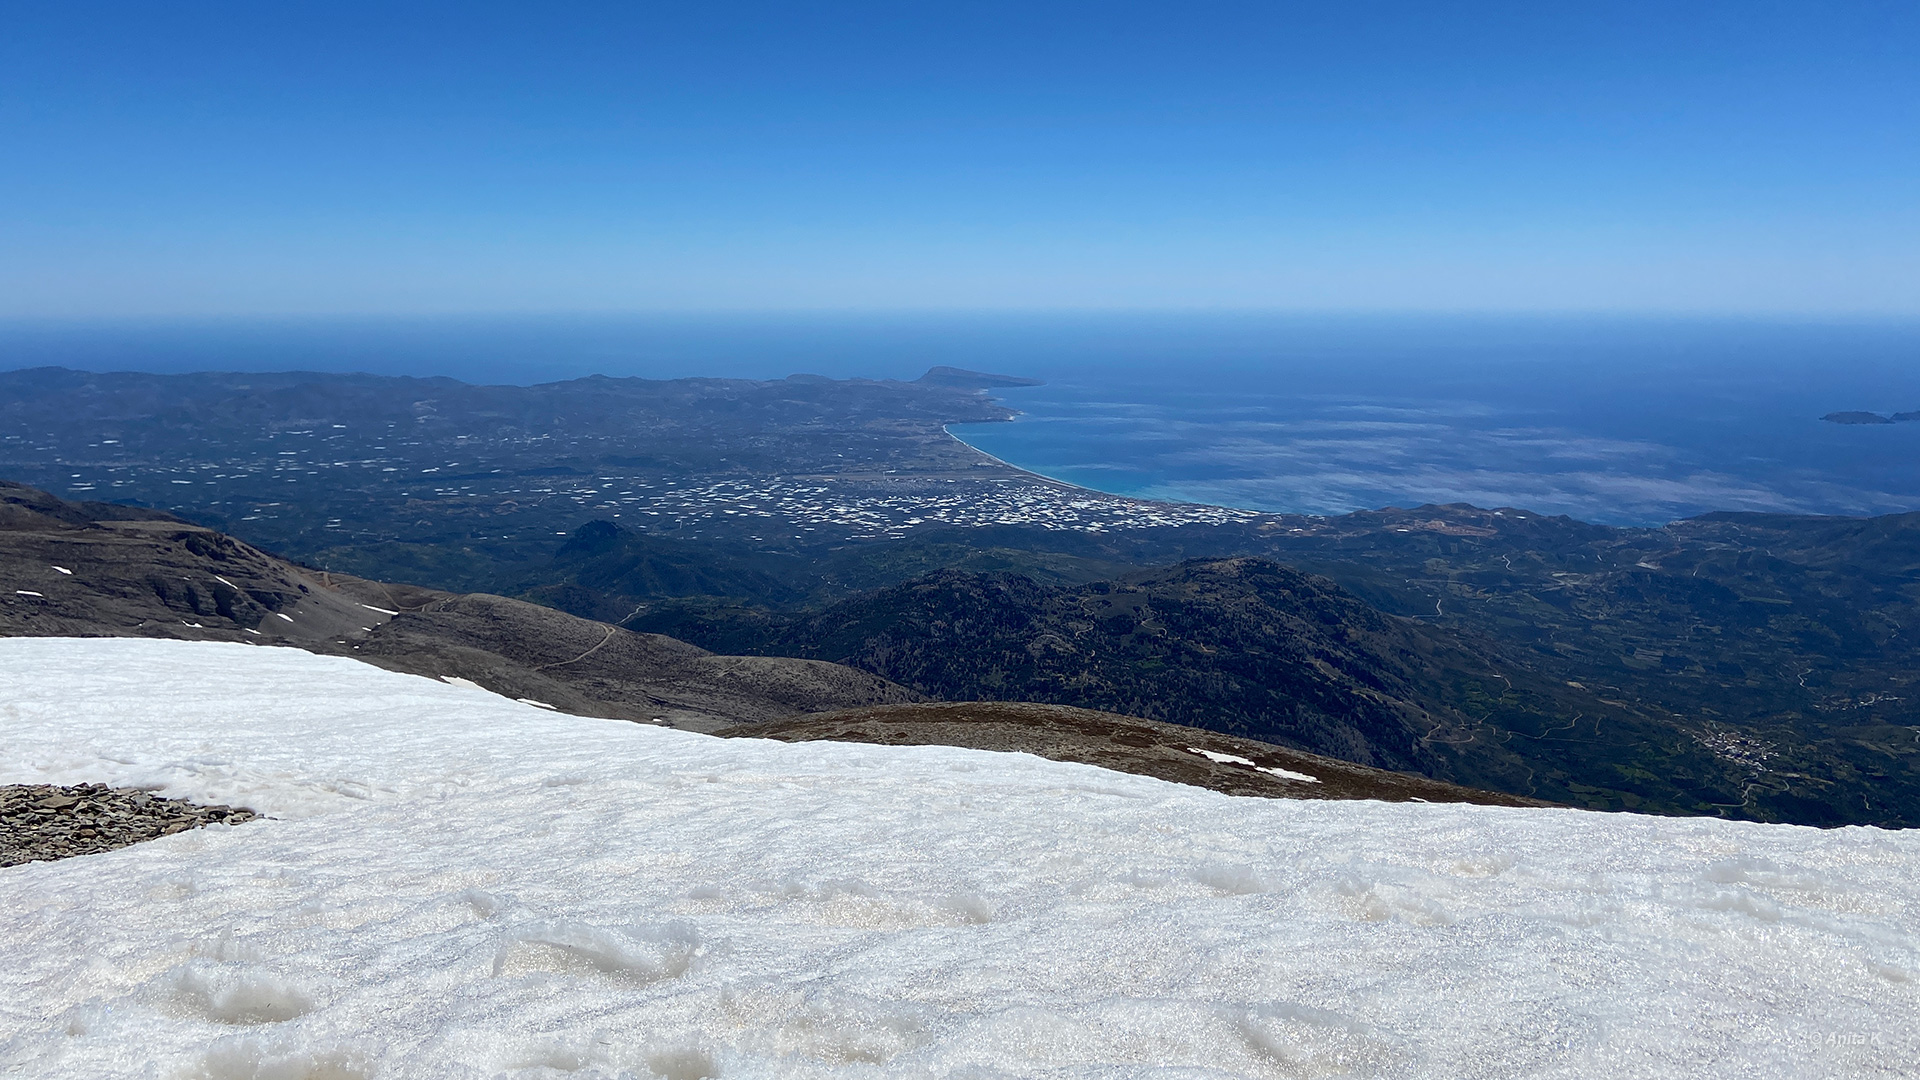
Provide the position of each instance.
(1623, 421)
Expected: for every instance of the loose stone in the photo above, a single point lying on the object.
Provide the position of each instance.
(43, 821)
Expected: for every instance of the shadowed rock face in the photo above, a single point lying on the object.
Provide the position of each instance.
(94, 570)
(1128, 744)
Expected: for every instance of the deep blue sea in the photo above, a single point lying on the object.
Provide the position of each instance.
(1628, 421)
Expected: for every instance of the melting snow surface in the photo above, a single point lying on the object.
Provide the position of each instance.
(459, 885)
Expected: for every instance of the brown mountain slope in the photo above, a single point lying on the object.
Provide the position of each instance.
(91, 570)
(531, 652)
(1184, 755)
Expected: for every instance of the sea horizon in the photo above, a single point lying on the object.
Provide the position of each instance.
(1625, 420)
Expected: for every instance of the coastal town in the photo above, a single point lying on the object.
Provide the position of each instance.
(451, 474)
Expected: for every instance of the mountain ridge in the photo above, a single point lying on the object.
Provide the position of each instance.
(105, 570)
(154, 576)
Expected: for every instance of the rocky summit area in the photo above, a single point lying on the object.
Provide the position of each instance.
(39, 822)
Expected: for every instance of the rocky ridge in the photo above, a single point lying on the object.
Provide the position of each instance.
(1129, 744)
(92, 569)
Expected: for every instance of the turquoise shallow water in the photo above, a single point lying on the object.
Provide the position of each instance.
(1609, 427)
(1613, 420)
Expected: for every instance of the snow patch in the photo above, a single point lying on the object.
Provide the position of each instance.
(457, 884)
(240, 995)
(1319, 1042)
(641, 954)
(1232, 878)
(970, 908)
(682, 1063)
(254, 1057)
(1219, 758)
(482, 903)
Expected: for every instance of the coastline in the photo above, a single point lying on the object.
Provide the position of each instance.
(1580, 443)
(1034, 475)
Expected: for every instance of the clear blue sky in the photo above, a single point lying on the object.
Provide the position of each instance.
(257, 158)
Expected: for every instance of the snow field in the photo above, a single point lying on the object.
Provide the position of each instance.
(458, 885)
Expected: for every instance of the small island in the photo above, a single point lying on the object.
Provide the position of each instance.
(1865, 418)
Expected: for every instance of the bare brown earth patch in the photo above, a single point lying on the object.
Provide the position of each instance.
(1184, 755)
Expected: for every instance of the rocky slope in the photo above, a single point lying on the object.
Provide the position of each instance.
(39, 822)
(91, 569)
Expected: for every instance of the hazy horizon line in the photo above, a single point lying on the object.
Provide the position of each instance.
(1653, 315)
